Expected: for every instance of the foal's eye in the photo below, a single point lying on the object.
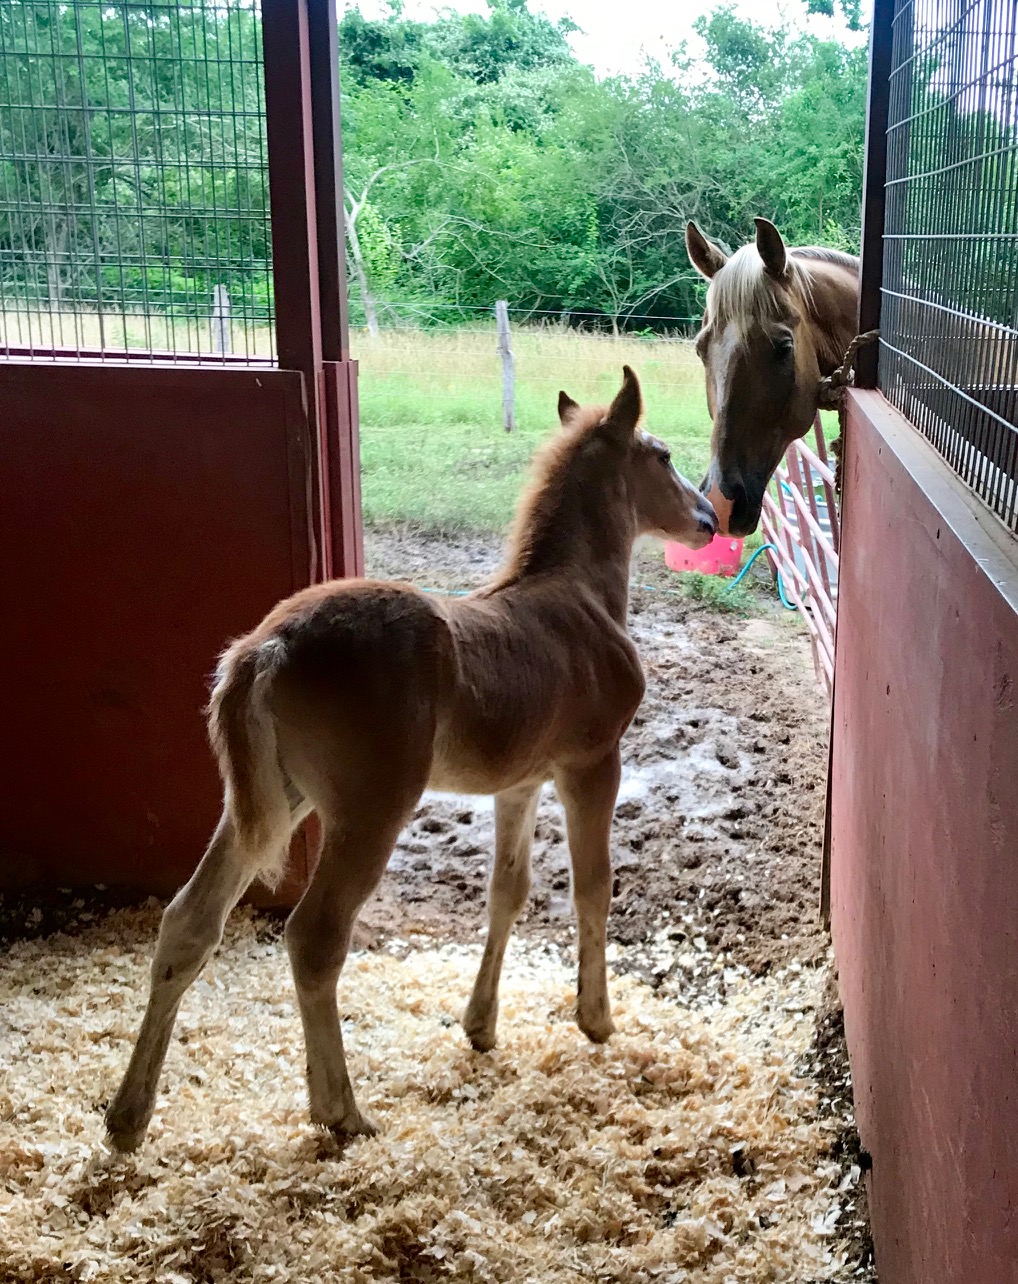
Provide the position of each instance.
(665, 456)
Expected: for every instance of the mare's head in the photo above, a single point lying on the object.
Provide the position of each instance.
(776, 321)
(662, 502)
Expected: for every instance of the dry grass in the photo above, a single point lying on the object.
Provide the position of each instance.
(446, 364)
(685, 1150)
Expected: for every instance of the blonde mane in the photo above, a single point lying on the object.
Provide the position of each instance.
(742, 290)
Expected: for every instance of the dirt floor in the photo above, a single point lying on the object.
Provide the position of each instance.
(717, 852)
(719, 814)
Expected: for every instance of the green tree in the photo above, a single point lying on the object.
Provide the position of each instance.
(481, 159)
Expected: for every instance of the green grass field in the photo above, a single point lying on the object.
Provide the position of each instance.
(433, 450)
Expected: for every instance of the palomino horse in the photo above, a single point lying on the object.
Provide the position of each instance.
(776, 322)
(351, 698)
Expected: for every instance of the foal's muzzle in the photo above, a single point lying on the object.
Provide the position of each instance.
(707, 518)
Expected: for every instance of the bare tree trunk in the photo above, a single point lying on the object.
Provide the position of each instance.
(56, 250)
(361, 276)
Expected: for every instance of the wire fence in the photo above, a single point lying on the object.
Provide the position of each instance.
(134, 211)
(465, 364)
(134, 207)
(436, 314)
(949, 317)
(434, 450)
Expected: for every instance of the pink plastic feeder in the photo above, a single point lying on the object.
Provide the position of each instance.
(720, 557)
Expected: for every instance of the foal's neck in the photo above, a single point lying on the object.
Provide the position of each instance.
(580, 530)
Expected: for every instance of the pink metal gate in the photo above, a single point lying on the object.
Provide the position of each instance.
(800, 521)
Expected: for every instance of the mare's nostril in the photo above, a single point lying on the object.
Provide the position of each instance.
(709, 525)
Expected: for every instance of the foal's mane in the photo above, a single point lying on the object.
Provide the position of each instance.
(539, 511)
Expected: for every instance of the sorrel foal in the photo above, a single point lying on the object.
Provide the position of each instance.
(351, 698)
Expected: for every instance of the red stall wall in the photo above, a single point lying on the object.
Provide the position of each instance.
(925, 853)
(148, 516)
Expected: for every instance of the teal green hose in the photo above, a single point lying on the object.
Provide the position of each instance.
(790, 606)
(652, 588)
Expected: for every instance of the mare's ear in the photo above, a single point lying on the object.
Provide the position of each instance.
(567, 407)
(704, 255)
(625, 411)
(771, 248)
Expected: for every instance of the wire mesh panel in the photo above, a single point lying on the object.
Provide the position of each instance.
(949, 319)
(134, 205)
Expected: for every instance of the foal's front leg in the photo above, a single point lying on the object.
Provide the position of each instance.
(515, 816)
(588, 795)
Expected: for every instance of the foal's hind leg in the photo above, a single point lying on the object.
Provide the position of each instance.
(588, 795)
(354, 855)
(515, 814)
(191, 928)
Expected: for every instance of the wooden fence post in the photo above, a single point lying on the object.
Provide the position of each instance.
(222, 339)
(506, 353)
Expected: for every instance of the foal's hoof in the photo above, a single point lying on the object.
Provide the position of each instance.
(124, 1130)
(355, 1124)
(481, 1040)
(125, 1142)
(480, 1021)
(124, 1139)
(597, 1029)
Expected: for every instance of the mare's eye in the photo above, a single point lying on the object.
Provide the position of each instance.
(666, 456)
(784, 346)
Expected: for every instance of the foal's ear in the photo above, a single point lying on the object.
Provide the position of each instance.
(704, 255)
(625, 411)
(771, 248)
(567, 407)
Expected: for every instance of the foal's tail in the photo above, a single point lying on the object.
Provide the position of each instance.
(243, 736)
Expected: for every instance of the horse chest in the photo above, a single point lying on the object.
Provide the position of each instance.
(605, 705)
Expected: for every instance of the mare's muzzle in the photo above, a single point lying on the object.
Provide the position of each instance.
(736, 504)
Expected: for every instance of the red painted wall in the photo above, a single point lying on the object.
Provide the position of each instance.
(148, 516)
(924, 875)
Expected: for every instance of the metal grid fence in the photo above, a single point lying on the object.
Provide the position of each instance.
(949, 317)
(134, 209)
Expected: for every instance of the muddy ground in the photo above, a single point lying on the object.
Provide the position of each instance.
(718, 825)
(717, 833)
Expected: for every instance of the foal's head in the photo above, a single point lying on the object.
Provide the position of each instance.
(775, 322)
(662, 502)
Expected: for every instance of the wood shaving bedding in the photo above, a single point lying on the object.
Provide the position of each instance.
(686, 1151)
